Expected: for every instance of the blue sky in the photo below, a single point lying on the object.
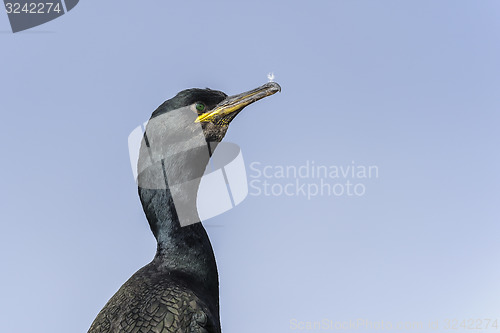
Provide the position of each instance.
(411, 87)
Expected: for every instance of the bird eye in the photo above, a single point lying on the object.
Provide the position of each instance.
(200, 107)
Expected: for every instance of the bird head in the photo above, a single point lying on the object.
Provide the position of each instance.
(209, 110)
(215, 119)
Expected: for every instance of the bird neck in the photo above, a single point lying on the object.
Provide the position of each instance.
(184, 248)
(181, 250)
(170, 168)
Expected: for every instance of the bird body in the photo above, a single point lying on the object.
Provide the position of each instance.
(157, 300)
(179, 290)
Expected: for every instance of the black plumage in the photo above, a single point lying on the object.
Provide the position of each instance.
(179, 290)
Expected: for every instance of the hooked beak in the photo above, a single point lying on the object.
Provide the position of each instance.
(229, 107)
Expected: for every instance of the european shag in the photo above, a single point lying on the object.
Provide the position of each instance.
(179, 290)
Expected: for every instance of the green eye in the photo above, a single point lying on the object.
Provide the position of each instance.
(200, 107)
